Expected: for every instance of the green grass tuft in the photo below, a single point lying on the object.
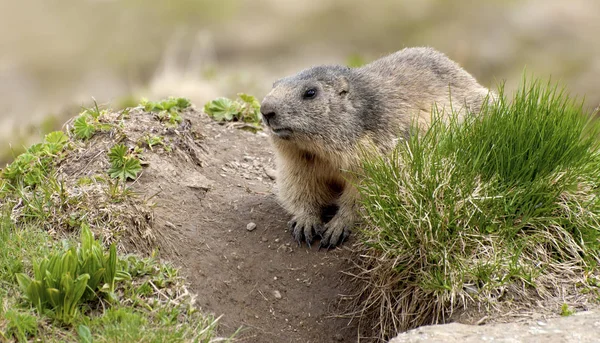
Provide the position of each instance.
(503, 206)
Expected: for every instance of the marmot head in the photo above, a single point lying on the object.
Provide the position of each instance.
(312, 105)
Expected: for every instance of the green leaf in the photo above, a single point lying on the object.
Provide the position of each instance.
(87, 238)
(129, 170)
(111, 268)
(82, 128)
(54, 297)
(222, 109)
(183, 103)
(84, 333)
(116, 155)
(23, 280)
(56, 137)
(250, 100)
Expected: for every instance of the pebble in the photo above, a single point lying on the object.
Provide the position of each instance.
(338, 337)
(251, 226)
(270, 173)
(277, 295)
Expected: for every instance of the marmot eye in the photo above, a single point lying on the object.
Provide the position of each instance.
(309, 94)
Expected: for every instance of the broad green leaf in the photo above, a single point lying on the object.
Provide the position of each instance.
(183, 103)
(23, 280)
(56, 137)
(84, 333)
(116, 155)
(82, 128)
(111, 267)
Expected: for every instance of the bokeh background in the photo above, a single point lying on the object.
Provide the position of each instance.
(58, 55)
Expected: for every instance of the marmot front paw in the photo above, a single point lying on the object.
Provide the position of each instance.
(305, 228)
(336, 232)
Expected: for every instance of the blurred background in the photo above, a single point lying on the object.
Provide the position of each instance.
(58, 55)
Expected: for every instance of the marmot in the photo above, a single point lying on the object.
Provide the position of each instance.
(319, 118)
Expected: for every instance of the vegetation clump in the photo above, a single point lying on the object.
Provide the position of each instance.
(167, 110)
(501, 209)
(65, 279)
(245, 111)
(56, 288)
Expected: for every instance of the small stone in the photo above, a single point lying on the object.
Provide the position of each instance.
(248, 158)
(264, 239)
(277, 295)
(251, 226)
(276, 240)
(338, 337)
(270, 173)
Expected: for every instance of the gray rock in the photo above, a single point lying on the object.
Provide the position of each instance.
(251, 226)
(582, 327)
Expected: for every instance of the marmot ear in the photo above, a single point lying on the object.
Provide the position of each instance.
(342, 85)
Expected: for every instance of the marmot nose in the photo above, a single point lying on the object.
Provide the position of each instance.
(268, 115)
(267, 111)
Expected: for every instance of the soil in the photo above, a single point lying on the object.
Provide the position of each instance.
(259, 280)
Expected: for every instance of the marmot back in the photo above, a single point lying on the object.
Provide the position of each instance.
(319, 118)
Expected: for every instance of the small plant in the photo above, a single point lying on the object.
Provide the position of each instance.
(153, 140)
(167, 110)
(87, 123)
(84, 333)
(19, 325)
(565, 311)
(124, 165)
(34, 165)
(245, 110)
(66, 279)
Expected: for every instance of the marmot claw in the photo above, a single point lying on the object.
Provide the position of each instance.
(305, 229)
(334, 235)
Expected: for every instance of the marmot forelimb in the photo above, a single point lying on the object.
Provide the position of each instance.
(319, 118)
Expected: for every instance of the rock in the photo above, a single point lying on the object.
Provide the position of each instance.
(580, 327)
(276, 294)
(338, 337)
(198, 181)
(251, 226)
(270, 173)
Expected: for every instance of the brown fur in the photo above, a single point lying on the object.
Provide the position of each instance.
(318, 139)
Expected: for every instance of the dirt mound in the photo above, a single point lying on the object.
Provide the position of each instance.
(258, 279)
(205, 199)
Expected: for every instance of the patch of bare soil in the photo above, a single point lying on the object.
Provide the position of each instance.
(206, 204)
